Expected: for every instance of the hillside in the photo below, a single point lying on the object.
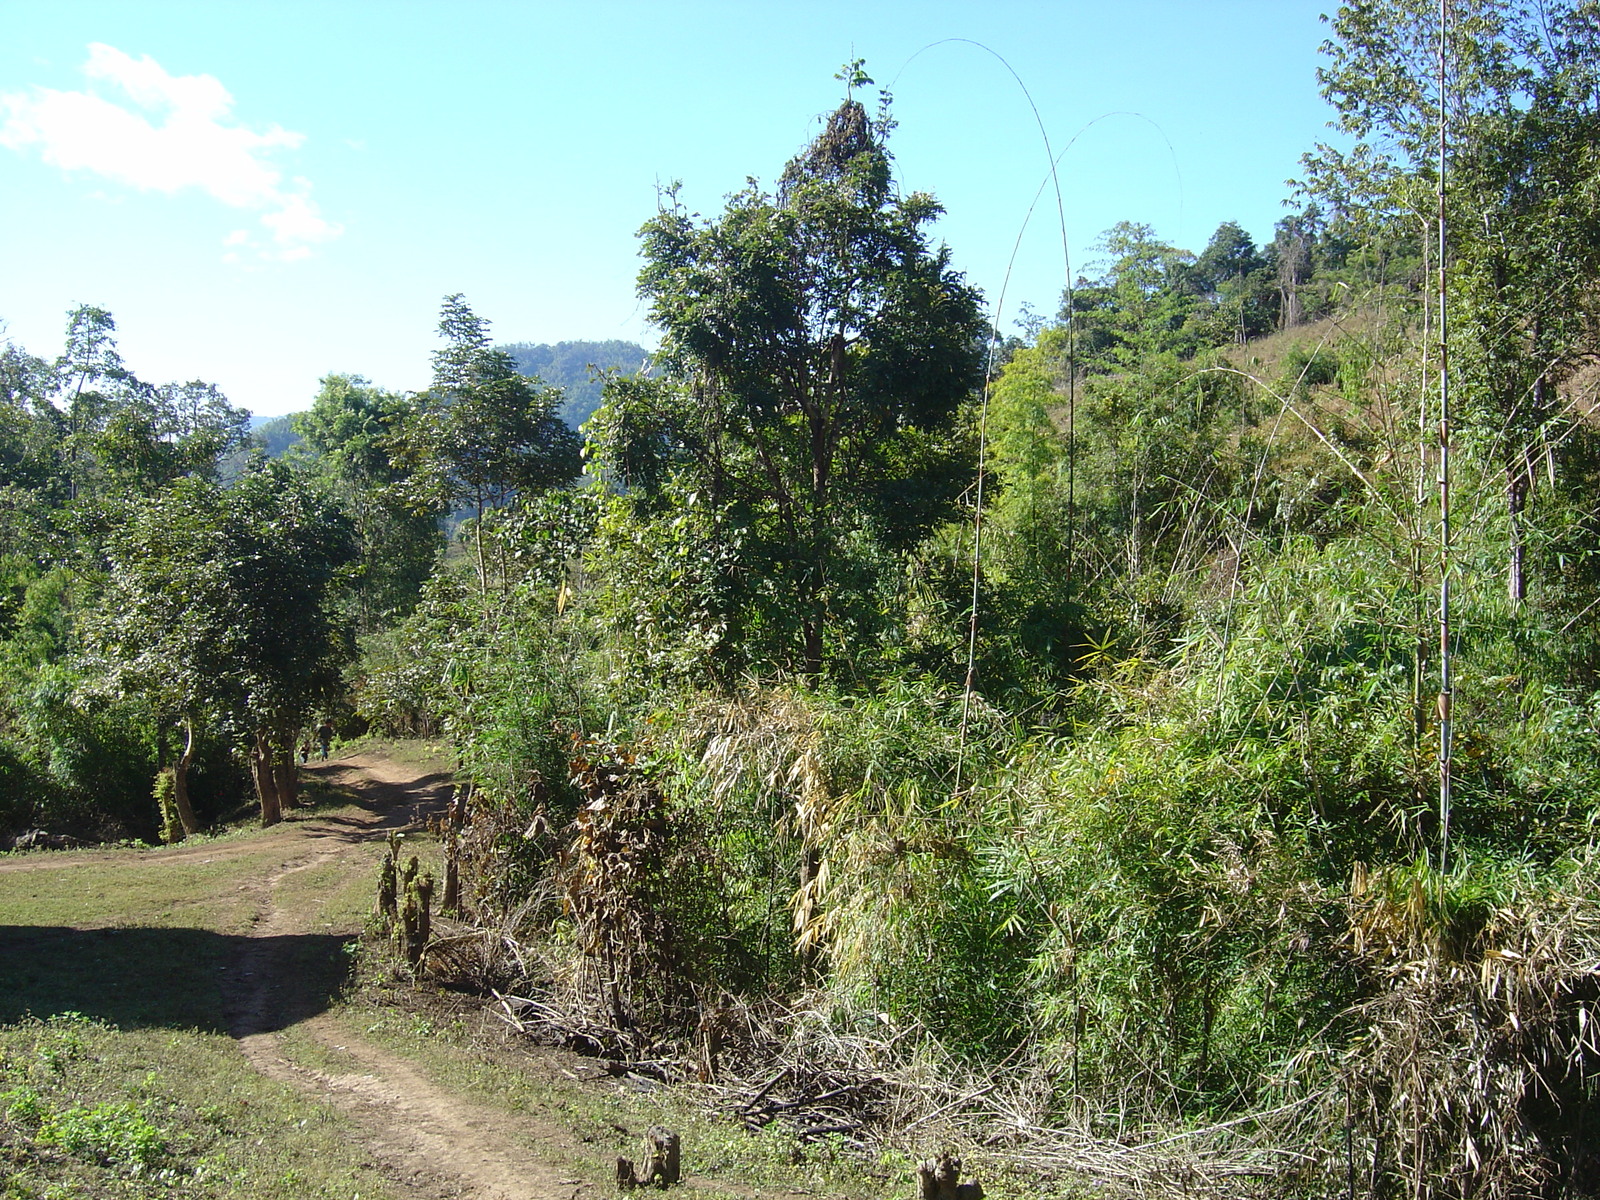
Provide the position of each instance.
(573, 367)
(274, 434)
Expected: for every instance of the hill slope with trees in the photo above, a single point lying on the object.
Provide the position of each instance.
(576, 369)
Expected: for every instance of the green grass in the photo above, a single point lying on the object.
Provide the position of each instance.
(117, 1076)
(138, 941)
(88, 1110)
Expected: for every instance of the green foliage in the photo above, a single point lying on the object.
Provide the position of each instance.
(349, 434)
(94, 759)
(494, 670)
(113, 1135)
(1173, 857)
(818, 353)
(277, 435)
(482, 433)
(122, 434)
(1519, 147)
(166, 806)
(219, 610)
(577, 370)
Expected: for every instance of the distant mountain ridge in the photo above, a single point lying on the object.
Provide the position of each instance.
(566, 365)
(274, 434)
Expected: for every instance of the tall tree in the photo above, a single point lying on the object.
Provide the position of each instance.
(219, 612)
(1142, 303)
(819, 351)
(1232, 275)
(483, 433)
(347, 433)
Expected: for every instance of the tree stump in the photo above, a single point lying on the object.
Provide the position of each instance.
(659, 1166)
(388, 894)
(940, 1179)
(712, 1024)
(415, 919)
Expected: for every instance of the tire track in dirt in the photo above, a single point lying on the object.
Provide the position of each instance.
(432, 1143)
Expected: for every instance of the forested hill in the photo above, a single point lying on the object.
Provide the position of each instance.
(574, 367)
(274, 434)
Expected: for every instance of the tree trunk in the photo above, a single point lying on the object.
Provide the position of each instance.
(180, 782)
(285, 776)
(477, 541)
(1519, 483)
(1293, 263)
(266, 784)
(812, 630)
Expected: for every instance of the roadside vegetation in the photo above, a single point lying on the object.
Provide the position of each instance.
(896, 735)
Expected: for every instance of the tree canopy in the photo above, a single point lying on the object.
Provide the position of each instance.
(818, 351)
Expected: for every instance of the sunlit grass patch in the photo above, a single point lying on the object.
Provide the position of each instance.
(89, 1110)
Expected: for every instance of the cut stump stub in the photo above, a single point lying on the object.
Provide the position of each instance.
(940, 1179)
(660, 1165)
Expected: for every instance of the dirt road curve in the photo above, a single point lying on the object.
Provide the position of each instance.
(430, 1142)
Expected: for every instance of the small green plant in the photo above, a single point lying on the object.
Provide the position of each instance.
(113, 1135)
(23, 1106)
(62, 1042)
(165, 794)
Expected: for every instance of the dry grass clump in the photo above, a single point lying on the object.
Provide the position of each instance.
(1475, 1067)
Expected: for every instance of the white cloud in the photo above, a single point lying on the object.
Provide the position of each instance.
(167, 133)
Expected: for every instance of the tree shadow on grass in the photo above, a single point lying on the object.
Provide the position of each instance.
(389, 806)
(154, 978)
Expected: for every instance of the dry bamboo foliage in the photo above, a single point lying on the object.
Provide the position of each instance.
(1464, 1071)
(1475, 1067)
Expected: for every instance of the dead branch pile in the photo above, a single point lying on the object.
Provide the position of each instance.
(770, 1062)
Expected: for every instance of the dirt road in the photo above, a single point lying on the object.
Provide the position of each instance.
(429, 1142)
(278, 917)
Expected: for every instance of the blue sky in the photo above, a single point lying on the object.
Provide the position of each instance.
(263, 193)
